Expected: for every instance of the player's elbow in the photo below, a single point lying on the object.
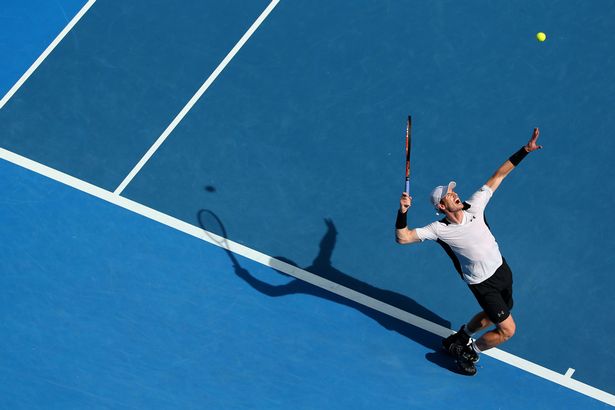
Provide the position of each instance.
(402, 241)
(405, 237)
(402, 237)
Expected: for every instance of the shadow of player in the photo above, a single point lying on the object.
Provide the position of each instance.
(322, 266)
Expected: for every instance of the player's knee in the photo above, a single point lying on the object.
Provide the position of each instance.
(507, 328)
(509, 332)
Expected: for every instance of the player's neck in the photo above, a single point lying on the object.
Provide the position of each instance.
(455, 217)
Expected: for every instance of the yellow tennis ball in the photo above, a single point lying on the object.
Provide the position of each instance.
(541, 36)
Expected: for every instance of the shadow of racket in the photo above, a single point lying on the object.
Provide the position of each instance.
(215, 233)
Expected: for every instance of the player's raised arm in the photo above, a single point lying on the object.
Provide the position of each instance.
(514, 160)
(403, 235)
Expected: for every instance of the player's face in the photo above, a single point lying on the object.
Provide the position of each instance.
(452, 202)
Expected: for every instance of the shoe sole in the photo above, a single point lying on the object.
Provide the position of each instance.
(466, 367)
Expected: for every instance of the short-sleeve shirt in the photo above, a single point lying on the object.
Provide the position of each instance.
(471, 241)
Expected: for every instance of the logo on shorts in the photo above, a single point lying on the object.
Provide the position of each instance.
(501, 313)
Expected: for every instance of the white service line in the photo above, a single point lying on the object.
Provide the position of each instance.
(47, 51)
(543, 372)
(196, 97)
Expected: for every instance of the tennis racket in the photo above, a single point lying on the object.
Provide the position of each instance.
(408, 147)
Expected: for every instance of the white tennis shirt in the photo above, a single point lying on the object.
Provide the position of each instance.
(471, 241)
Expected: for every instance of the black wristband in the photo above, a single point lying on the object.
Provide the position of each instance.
(402, 220)
(518, 156)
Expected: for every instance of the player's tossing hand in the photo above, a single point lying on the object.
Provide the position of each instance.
(531, 145)
(405, 202)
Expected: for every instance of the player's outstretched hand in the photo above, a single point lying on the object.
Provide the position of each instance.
(330, 226)
(405, 202)
(531, 145)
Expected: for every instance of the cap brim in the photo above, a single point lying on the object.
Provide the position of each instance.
(451, 186)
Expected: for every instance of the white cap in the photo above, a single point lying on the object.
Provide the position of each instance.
(440, 192)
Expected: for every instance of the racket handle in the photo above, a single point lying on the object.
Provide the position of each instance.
(408, 187)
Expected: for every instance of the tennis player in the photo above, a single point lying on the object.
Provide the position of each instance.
(465, 236)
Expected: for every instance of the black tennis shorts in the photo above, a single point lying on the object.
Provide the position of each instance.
(494, 295)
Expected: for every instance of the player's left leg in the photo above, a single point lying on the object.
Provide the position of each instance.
(503, 332)
(495, 297)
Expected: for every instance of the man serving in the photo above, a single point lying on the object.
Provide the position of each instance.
(467, 239)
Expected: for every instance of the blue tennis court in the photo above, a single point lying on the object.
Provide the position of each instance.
(286, 121)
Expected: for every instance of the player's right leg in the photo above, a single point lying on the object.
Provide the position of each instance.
(478, 323)
(503, 331)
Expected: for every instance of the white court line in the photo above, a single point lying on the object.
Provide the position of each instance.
(563, 380)
(47, 51)
(196, 97)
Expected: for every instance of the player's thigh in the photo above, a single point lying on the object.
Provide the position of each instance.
(491, 301)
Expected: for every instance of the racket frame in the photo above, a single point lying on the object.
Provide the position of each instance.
(408, 149)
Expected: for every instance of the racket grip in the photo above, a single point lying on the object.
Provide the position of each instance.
(408, 187)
